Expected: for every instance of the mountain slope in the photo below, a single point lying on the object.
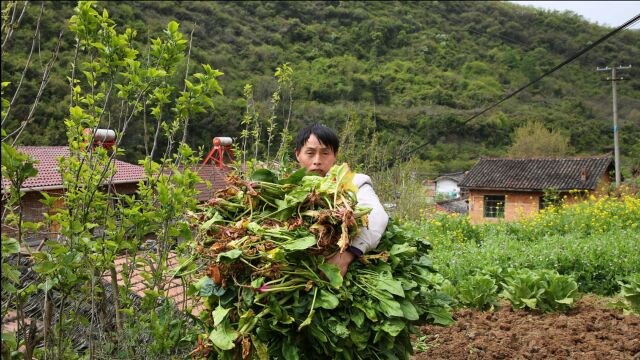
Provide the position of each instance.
(417, 69)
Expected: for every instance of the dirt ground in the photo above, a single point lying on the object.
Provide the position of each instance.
(589, 331)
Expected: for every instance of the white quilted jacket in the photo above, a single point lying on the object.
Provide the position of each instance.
(368, 238)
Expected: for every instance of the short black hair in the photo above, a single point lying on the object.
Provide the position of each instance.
(325, 135)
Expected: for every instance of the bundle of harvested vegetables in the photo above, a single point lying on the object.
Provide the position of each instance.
(270, 292)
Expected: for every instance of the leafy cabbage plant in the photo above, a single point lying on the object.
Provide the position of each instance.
(543, 290)
(478, 292)
(630, 293)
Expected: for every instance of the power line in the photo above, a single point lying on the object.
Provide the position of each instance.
(502, 37)
(549, 72)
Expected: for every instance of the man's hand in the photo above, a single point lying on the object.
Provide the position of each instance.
(342, 261)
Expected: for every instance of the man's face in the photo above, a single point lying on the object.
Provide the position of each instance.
(316, 157)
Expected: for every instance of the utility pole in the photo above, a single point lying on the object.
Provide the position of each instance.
(616, 144)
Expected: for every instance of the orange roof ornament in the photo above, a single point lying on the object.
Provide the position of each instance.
(221, 146)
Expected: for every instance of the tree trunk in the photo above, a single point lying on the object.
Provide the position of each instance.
(116, 298)
(48, 312)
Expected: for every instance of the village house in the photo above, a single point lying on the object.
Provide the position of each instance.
(49, 180)
(125, 181)
(502, 189)
(447, 185)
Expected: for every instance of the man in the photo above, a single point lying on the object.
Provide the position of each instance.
(316, 150)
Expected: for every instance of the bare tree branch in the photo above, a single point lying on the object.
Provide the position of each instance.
(73, 73)
(13, 24)
(155, 137)
(46, 76)
(186, 75)
(26, 65)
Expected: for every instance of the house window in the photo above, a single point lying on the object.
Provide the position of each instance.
(547, 201)
(543, 203)
(550, 198)
(494, 206)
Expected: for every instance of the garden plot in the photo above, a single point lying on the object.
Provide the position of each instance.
(589, 331)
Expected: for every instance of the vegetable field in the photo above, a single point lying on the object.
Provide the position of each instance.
(563, 284)
(507, 281)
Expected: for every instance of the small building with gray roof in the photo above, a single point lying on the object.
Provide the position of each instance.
(504, 189)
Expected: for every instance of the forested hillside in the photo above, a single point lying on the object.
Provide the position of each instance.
(395, 74)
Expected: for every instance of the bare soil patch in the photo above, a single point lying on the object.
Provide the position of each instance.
(589, 331)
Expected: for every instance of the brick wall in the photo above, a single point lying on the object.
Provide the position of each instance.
(522, 204)
(127, 188)
(517, 205)
(33, 211)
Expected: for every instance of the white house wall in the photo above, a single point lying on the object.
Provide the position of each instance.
(448, 187)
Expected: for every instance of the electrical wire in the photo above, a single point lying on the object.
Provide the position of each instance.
(502, 37)
(515, 92)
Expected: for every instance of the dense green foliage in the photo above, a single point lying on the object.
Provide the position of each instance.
(533, 139)
(597, 242)
(80, 241)
(416, 69)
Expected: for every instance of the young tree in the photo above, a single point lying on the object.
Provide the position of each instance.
(534, 140)
(110, 81)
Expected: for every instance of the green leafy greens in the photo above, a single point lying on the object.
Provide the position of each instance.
(270, 293)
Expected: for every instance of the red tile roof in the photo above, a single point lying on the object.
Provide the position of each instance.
(49, 177)
(10, 322)
(173, 288)
(217, 177)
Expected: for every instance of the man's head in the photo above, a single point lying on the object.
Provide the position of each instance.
(317, 148)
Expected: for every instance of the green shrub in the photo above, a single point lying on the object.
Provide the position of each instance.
(543, 290)
(478, 292)
(630, 292)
